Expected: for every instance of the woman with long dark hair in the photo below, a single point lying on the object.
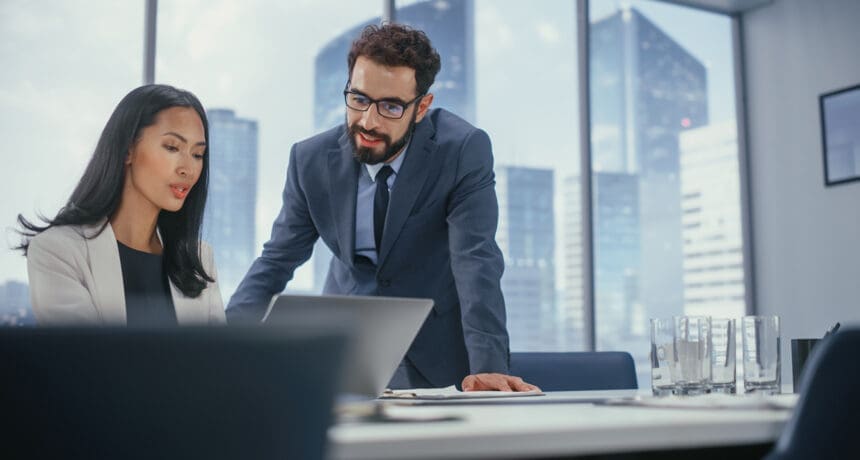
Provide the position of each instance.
(126, 249)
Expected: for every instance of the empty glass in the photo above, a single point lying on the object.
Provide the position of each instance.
(692, 355)
(662, 352)
(761, 355)
(723, 369)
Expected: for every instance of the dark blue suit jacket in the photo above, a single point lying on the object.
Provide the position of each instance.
(439, 241)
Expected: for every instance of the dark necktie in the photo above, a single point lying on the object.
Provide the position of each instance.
(380, 204)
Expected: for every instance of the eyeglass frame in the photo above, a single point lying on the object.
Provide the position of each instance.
(390, 100)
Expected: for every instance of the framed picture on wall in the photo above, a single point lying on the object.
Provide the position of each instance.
(840, 135)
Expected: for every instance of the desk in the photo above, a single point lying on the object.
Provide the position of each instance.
(530, 430)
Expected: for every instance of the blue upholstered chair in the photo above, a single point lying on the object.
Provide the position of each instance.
(824, 423)
(601, 370)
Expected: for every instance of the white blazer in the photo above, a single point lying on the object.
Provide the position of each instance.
(75, 280)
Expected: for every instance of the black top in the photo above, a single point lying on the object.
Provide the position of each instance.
(147, 291)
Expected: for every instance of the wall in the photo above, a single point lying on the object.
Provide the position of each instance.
(806, 236)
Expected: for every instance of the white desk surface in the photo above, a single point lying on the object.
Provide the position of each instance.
(540, 429)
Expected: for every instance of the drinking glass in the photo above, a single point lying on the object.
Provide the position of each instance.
(692, 354)
(761, 355)
(723, 368)
(662, 351)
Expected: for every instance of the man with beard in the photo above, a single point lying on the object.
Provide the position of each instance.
(404, 197)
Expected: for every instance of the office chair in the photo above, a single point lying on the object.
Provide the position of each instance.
(214, 393)
(824, 422)
(600, 370)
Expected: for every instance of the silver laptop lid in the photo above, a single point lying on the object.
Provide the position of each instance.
(384, 328)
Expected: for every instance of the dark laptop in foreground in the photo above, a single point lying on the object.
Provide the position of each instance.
(383, 330)
(220, 392)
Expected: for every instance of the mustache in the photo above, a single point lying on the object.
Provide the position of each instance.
(355, 129)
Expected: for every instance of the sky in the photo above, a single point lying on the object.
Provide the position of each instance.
(66, 63)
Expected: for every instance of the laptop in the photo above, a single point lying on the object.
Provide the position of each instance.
(384, 328)
(220, 392)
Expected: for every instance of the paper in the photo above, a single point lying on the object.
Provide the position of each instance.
(711, 401)
(451, 392)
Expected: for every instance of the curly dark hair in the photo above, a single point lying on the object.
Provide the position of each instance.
(397, 45)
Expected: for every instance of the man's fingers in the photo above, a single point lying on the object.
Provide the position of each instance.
(497, 382)
(520, 385)
(501, 383)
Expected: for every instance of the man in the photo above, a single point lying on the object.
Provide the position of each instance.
(404, 197)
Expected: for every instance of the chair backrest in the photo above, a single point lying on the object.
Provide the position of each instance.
(824, 423)
(219, 393)
(568, 371)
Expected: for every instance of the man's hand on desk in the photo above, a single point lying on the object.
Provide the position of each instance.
(498, 382)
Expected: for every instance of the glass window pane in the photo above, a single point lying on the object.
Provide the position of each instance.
(66, 64)
(269, 74)
(526, 99)
(667, 216)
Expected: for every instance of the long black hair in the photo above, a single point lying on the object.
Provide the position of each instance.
(97, 196)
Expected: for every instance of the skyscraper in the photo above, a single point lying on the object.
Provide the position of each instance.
(617, 255)
(711, 205)
(570, 306)
(449, 25)
(230, 220)
(645, 90)
(15, 304)
(526, 237)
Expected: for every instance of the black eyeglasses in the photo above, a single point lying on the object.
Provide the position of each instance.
(388, 108)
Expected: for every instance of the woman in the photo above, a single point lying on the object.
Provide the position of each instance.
(126, 247)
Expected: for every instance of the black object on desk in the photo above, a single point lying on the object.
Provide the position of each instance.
(800, 351)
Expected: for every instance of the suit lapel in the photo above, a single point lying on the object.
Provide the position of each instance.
(343, 187)
(407, 186)
(107, 275)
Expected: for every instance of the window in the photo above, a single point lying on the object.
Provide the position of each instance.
(269, 74)
(664, 150)
(665, 176)
(526, 99)
(64, 71)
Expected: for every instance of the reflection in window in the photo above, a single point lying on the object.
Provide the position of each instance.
(664, 145)
(65, 67)
(526, 88)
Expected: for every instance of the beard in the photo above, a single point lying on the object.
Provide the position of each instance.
(367, 155)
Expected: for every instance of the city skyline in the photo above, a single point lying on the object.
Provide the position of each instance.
(500, 29)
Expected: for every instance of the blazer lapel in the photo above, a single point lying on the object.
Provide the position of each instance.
(109, 293)
(189, 310)
(342, 188)
(407, 186)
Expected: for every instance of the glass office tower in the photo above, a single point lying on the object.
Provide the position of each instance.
(526, 236)
(230, 220)
(15, 304)
(646, 89)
